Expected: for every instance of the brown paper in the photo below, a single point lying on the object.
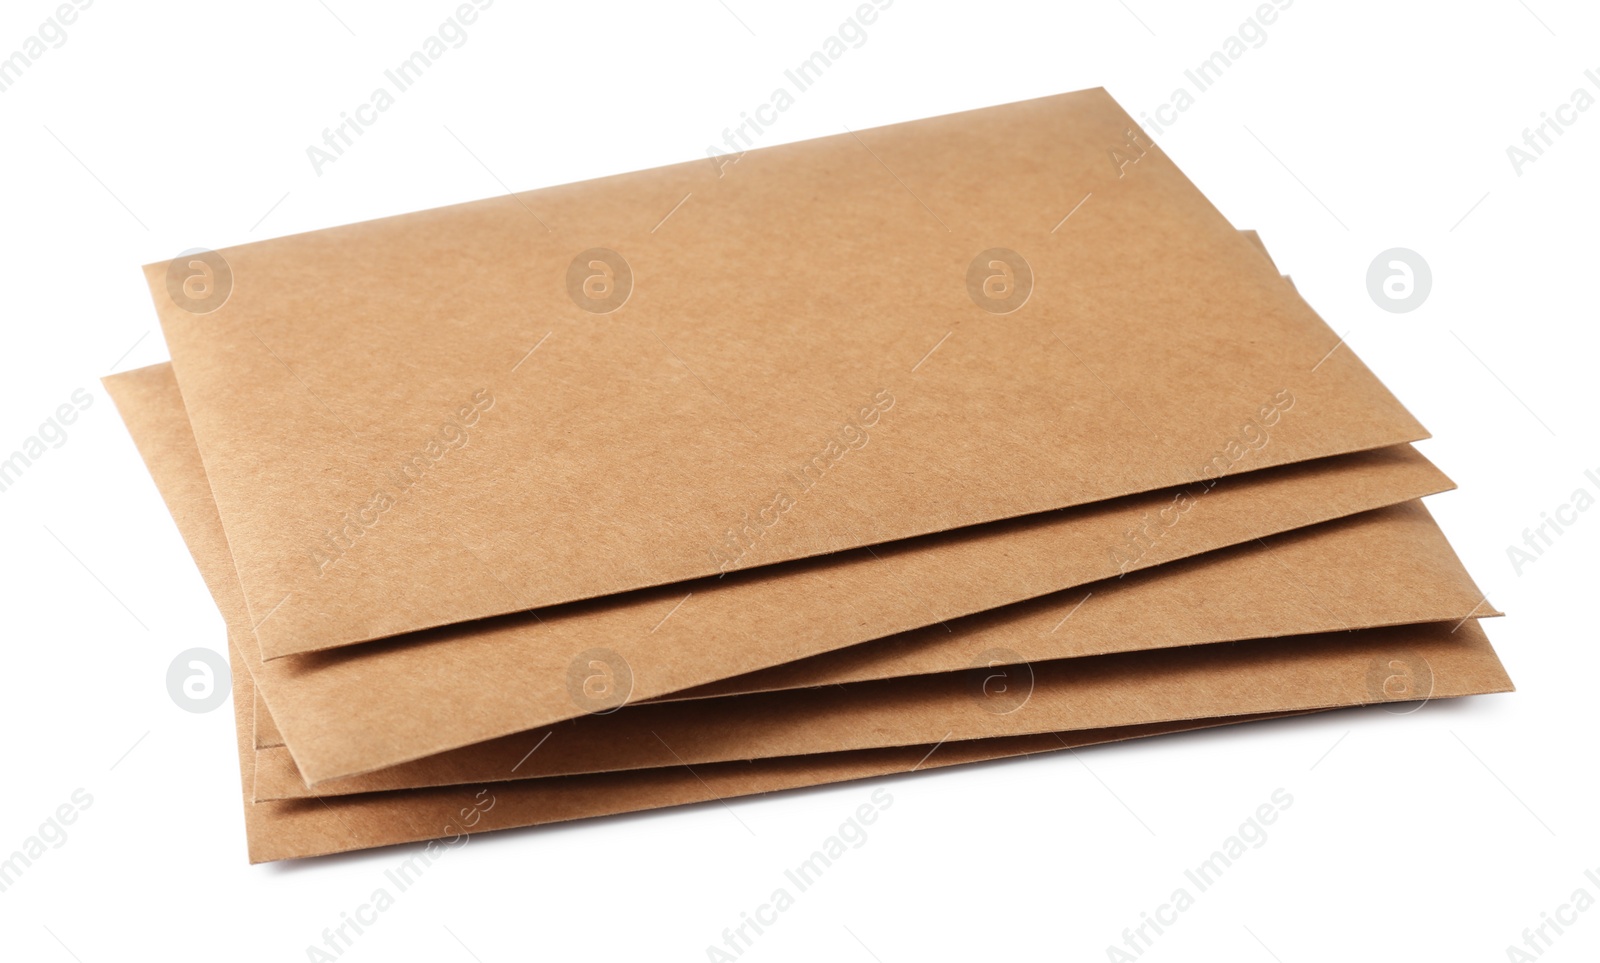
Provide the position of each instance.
(265, 729)
(373, 706)
(896, 656)
(415, 421)
(294, 829)
(911, 711)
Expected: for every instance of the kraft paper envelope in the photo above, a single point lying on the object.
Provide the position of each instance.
(289, 830)
(292, 829)
(300, 828)
(266, 734)
(855, 667)
(1400, 529)
(1132, 688)
(680, 372)
(373, 706)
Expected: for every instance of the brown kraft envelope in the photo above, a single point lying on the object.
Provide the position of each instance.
(901, 655)
(858, 665)
(291, 829)
(564, 394)
(373, 706)
(1407, 532)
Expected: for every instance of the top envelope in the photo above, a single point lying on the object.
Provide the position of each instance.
(586, 389)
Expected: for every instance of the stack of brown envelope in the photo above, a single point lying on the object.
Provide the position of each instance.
(960, 439)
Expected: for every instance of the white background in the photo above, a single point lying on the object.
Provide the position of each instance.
(1356, 127)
